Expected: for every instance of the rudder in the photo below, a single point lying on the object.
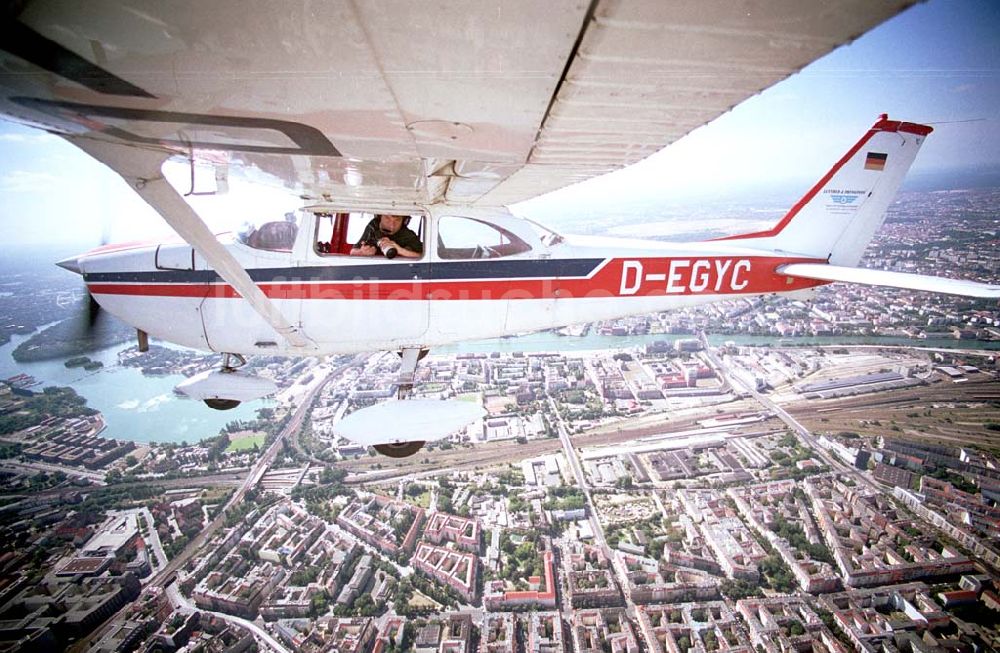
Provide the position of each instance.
(838, 217)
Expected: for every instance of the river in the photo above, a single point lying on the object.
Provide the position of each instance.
(145, 408)
(135, 407)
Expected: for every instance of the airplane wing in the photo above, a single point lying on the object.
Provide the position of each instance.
(396, 103)
(870, 277)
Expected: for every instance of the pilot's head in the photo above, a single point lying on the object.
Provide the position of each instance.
(390, 224)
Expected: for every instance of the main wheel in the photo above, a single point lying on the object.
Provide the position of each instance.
(400, 450)
(222, 404)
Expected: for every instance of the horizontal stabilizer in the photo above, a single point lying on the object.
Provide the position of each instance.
(824, 272)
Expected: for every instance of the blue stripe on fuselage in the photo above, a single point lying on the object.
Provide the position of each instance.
(397, 271)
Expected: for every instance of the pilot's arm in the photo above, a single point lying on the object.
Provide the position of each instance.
(386, 241)
(363, 250)
(406, 242)
(364, 247)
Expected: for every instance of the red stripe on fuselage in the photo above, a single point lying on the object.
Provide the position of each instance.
(620, 277)
(124, 247)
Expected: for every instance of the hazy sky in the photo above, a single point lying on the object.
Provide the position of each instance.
(936, 63)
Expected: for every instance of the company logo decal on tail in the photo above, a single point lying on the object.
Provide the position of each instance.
(840, 201)
(875, 161)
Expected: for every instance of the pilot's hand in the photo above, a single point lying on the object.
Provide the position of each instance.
(367, 250)
(386, 242)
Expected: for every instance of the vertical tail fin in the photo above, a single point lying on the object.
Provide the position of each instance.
(838, 217)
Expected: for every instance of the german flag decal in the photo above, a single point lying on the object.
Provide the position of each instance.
(875, 161)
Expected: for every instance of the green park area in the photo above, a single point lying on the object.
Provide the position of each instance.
(245, 440)
(423, 602)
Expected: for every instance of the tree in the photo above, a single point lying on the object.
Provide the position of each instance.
(735, 590)
(302, 577)
(332, 475)
(318, 604)
(625, 483)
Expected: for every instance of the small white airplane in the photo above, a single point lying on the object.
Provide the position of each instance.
(388, 113)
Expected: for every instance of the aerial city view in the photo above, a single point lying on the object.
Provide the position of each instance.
(815, 476)
(800, 456)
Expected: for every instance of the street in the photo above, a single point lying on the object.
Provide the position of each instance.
(574, 461)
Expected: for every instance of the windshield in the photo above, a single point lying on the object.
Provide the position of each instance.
(546, 235)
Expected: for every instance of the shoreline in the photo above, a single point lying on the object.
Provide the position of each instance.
(102, 424)
(130, 423)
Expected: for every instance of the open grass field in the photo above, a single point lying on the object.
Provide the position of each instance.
(421, 601)
(244, 440)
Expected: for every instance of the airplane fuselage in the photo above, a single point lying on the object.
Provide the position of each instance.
(349, 304)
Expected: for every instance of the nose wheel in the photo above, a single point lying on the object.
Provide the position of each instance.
(399, 450)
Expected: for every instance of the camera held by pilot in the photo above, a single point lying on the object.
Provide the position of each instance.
(389, 251)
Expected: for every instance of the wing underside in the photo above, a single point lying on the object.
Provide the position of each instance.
(398, 102)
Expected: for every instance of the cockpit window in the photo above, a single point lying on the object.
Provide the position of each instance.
(467, 238)
(343, 233)
(276, 236)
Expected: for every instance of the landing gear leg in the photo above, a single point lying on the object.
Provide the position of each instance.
(404, 383)
(404, 387)
(227, 362)
(228, 366)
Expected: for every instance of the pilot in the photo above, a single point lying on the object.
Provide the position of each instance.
(388, 235)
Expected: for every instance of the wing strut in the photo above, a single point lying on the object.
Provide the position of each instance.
(141, 169)
(825, 272)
